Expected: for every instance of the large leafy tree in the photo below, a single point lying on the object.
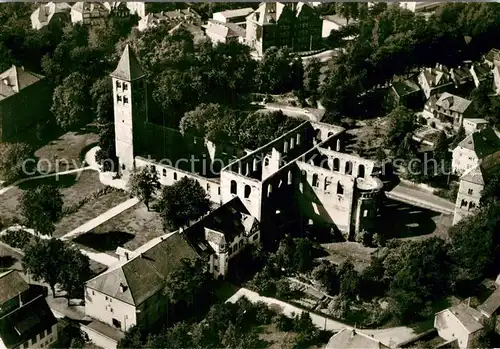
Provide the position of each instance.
(71, 102)
(143, 183)
(182, 203)
(101, 95)
(273, 73)
(41, 207)
(16, 160)
(74, 272)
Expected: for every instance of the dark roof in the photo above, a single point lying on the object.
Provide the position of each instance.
(405, 87)
(14, 79)
(231, 219)
(25, 322)
(483, 143)
(139, 278)
(128, 68)
(11, 285)
(491, 305)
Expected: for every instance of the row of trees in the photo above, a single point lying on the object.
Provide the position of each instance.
(239, 128)
(395, 41)
(228, 325)
(178, 204)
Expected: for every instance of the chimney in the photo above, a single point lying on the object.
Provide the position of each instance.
(123, 287)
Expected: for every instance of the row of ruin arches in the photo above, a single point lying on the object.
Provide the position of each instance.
(348, 167)
(326, 184)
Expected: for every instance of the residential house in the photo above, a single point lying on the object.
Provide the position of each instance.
(89, 13)
(25, 99)
(132, 7)
(220, 32)
(237, 16)
(443, 79)
(226, 230)
(130, 292)
(333, 22)
(353, 339)
(474, 149)
(406, 92)
(490, 305)
(420, 6)
(294, 25)
(50, 12)
(461, 324)
(447, 110)
(472, 183)
(187, 16)
(492, 56)
(474, 125)
(481, 73)
(26, 320)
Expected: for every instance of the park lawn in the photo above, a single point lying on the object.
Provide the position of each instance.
(130, 229)
(74, 187)
(68, 149)
(89, 211)
(339, 252)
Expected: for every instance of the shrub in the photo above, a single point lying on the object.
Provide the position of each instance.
(422, 120)
(365, 238)
(17, 239)
(379, 240)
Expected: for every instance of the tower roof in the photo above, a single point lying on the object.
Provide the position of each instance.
(128, 68)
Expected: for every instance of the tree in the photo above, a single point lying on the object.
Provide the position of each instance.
(491, 190)
(349, 280)
(41, 207)
(71, 102)
(196, 122)
(43, 261)
(101, 95)
(182, 203)
(133, 338)
(189, 284)
(402, 124)
(473, 242)
(326, 274)
(311, 78)
(143, 183)
(16, 160)
(273, 73)
(106, 155)
(441, 148)
(75, 271)
(303, 258)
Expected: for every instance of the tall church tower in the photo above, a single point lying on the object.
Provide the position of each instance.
(130, 107)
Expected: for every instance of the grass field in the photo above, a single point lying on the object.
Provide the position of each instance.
(130, 229)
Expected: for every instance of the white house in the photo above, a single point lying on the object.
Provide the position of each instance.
(474, 125)
(237, 16)
(333, 22)
(89, 13)
(420, 6)
(475, 148)
(459, 323)
(353, 339)
(49, 12)
(220, 32)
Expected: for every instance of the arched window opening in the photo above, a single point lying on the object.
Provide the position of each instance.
(315, 182)
(248, 190)
(289, 177)
(164, 172)
(348, 168)
(338, 144)
(233, 187)
(471, 205)
(340, 189)
(327, 183)
(266, 161)
(285, 147)
(463, 203)
(361, 171)
(269, 190)
(298, 138)
(175, 176)
(336, 164)
(330, 134)
(208, 187)
(292, 143)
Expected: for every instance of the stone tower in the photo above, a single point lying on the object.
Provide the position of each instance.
(130, 107)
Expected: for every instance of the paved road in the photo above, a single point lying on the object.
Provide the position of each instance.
(4, 190)
(421, 198)
(389, 336)
(322, 56)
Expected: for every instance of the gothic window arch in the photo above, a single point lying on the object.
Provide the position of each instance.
(234, 187)
(315, 182)
(340, 188)
(348, 168)
(248, 191)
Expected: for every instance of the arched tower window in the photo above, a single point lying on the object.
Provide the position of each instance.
(336, 164)
(234, 188)
(248, 190)
(327, 183)
(361, 171)
(340, 189)
(315, 182)
(348, 168)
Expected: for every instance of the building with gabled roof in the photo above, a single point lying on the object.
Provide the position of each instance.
(50, 12)
(187, 16)
(220, 32)
(130, 292)
(25, 99)
(89, 13)
(236, 16)
(460, 323)
(297, 26)
(353, 339)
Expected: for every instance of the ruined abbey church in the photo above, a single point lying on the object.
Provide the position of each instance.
(303, 174)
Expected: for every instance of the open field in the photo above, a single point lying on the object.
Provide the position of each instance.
(67, 150)
(339, 252)
(130, 229)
